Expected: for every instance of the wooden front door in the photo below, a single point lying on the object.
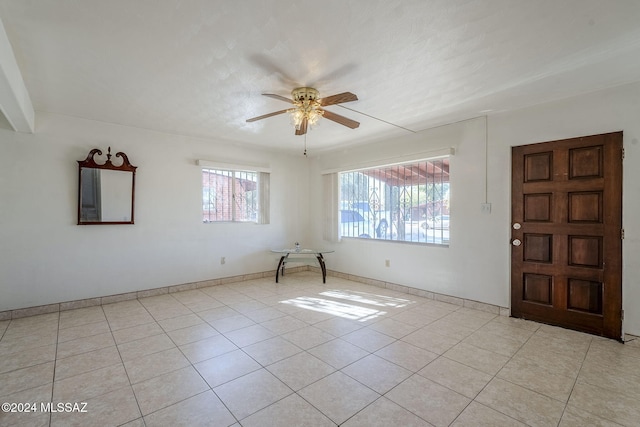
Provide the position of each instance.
(566, 249)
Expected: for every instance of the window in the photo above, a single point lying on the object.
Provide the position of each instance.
(234, 196)
(405, 202)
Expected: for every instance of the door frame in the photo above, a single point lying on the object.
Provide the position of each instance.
(612, 274)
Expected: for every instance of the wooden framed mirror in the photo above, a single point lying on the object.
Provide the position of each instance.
(106, 192)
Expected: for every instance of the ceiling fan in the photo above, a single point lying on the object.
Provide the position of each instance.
(307, 108)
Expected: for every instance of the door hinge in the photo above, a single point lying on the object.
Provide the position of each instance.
(621, 314)
(622, 153)
(622, 234)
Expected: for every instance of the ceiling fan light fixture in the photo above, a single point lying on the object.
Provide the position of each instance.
(306, 106)
(308, 109)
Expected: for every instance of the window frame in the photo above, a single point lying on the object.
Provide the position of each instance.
(235, 174)
(382, 204)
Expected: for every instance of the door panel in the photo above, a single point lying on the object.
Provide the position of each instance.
(566, 254)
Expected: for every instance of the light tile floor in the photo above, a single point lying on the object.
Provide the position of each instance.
(300, 353)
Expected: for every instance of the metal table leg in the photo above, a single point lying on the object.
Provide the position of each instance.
(280, 265)
(323, 268)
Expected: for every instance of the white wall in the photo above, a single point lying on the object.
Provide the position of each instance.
(477, 264)
(434, 268)
(46, 258)
(600, 112)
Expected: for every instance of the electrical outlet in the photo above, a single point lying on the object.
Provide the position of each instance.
(485, 208)
(223, 260)
(387, 263)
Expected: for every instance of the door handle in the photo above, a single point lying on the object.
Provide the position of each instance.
(516, 242)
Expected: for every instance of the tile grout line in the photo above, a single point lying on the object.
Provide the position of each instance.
(535, 391)
(192, 365)
(248, 292)
(231, 280)
(266, 367)
(575, 381)
(55, 364)
(443, 356)
(496, 376)
(380, 395)
(248, 373)
(124, 368)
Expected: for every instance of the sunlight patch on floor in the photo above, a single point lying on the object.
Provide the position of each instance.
(367, 298)
(347, 311)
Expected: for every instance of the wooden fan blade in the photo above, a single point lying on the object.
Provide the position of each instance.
(303, 127)
(340, 119)
(275, 113)
(338, 99)
(281, 98)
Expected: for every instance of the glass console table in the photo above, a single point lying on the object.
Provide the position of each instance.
(301, 255)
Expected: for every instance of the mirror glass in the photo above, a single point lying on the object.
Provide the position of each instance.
(106, 191)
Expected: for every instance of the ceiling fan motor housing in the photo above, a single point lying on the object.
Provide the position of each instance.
(302, 94)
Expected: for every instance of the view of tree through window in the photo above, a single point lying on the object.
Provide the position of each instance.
(407, 202)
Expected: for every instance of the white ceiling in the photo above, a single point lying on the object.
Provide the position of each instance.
(198, 67)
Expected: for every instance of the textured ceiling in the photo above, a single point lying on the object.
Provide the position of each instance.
(198, 67)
